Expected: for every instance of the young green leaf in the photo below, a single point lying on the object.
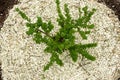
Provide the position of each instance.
(91, 26)
(67, 13)
(39, 22)
(50, 26)
(83, 35)
(23, 15)
(86, 54)
(59, 61)
(38, 38)
(64, 39)
(89, 45)
(48, 65)
(74, 55)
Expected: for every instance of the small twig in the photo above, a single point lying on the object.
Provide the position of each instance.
(45, 33)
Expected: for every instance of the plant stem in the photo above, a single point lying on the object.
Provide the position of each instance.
(45, 33)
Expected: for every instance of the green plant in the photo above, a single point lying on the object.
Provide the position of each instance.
(64, 39)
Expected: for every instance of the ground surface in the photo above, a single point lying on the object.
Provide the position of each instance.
(5, 6)
(0, 72)
(22, 59)
(113, 4)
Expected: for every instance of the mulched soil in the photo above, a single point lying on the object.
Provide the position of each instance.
(6, 5)
(112, 4)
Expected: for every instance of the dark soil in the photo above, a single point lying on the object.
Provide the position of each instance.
(0, 72)
(112, 4)
(5, 6)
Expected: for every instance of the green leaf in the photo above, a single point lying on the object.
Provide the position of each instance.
(89, 45)
(44, 27)
(58, 60)
(85, 9)
(80, 12)
(91, 26)
(79, 22)
(30, 31)
(50, 26)
(87, 32)
(48, 65)
(57, 2)
(61, 18)
(38, 38)
(48, 49)
(58, 50)
(31, 27)
(53, 58)
(83, 35)
(74, 55)
(87, 55)
(23, 15)
(67, 13)
(39, 21)
(64, 39)
(28, 24)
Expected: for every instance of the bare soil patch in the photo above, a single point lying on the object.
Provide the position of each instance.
(5, 6)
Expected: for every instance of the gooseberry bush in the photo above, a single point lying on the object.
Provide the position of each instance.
(64, 39)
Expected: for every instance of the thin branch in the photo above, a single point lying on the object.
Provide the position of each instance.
(45, 33)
